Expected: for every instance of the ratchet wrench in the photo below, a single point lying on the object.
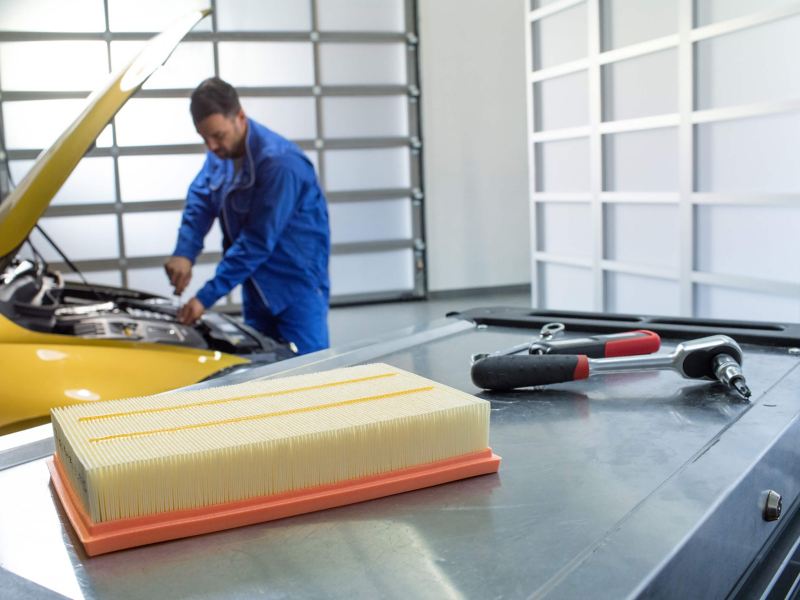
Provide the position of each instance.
(627, 343)
(715, 357)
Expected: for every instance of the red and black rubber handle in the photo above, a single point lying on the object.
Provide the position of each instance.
(628, 343)
(527, 370)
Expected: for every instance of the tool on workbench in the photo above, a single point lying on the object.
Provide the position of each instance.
(144, 470)
(546, 334)
(716, 357)
(626, 343)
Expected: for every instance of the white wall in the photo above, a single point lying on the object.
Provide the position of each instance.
(472, 53)
(665, 143)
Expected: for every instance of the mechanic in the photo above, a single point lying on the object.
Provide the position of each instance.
(274, 218)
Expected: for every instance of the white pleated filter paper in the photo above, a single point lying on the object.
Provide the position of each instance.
(190, 449)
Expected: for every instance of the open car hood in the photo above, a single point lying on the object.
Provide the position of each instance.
(22, 208)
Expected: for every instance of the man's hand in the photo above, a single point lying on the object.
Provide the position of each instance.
(191, 311)
(179, 271)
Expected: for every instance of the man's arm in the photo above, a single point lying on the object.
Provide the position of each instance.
(179, 272)
(274, 202)
(190, 312)
(198, 216)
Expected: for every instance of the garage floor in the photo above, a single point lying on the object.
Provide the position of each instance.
(354, 323)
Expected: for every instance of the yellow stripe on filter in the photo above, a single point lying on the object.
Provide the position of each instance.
(192, 449)
(279, 413)
(232, 399)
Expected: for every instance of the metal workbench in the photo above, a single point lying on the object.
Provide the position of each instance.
(644, 485)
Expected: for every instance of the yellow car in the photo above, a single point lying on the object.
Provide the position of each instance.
(63, 343)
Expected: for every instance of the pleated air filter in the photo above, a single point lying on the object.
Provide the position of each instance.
(143, 470)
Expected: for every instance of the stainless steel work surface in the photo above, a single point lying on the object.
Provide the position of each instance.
(608, 487)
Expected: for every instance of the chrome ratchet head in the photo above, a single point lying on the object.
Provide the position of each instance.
(695, 359)
(547, 333)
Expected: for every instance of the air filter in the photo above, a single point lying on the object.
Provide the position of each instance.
(144, 470)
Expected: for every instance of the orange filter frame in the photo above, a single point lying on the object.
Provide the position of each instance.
(109, 536)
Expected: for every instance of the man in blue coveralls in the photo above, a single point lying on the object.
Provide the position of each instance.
(274, 219)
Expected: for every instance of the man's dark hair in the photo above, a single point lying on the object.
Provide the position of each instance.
(214, 96)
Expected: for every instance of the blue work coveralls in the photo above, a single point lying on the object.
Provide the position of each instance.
(276, 237)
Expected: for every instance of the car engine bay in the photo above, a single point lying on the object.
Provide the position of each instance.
(40, 299)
